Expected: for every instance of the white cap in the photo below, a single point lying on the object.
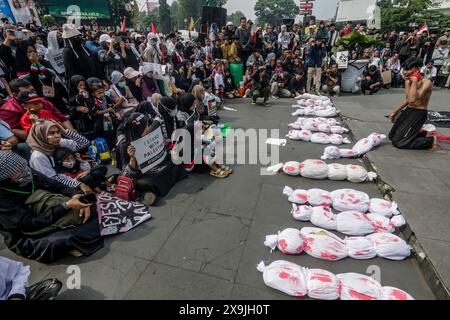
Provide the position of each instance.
(105, 38)
(230, 23)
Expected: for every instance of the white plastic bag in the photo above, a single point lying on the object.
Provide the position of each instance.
(354, 223)
(398, 221)
(357, 174)
(300, 135)
(285, 276)
(302, 212)
(349, 199)
(338, 139)
(320, 138)
(324, 127)
(323, 217)
(291, 168)
(288, 241)
(365, 145)
(329, 112)
(389, 246)
(322, 285)
(359, 287)
(381, 223)
(298, 196)
(295, 126)
(324, 245)
(383, 207)
(337, 172)
(314, 169)
(311, 125)
(391, 293)
(331, 152)
(319, 197)
(338, 129)
(360, 248)
(299, 112)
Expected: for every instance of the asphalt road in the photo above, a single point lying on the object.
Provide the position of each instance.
(206, 237)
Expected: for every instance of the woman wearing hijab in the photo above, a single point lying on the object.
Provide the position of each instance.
(44, 80)
(121, 94)
(152, 53)
(167, 111)
(188, 119)
(148, 83)
(158, 181)
(156, 98)
(77, 59)
(44, 138)
(42, 219)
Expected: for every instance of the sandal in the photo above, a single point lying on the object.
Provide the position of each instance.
(221, 174)
(226, 169)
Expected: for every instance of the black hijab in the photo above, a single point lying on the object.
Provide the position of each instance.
(185, 102)
(23, 64)
(135, 126)
(74, 81)
(60, 154)
(165, 106)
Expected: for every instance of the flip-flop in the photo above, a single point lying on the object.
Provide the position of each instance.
(226, 169)
(221, 174)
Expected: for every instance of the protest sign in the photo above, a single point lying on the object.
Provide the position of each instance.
(150, 150)
(342, 59)
(157, 70)
(55, 58)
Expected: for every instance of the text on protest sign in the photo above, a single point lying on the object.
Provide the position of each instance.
(150, 150)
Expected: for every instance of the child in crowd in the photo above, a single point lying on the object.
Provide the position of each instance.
(32, 103)
(219, 82)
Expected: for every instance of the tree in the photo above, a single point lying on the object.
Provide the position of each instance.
(235, 17)
(274, 11)
(401, 14)
(165, 23)
(146, 20)
(176, 16)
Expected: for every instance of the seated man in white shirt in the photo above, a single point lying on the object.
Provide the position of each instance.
(429, 71)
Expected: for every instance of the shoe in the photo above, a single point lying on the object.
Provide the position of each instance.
(253, 102)
(150, 198)
(265, 104)
(275, 97)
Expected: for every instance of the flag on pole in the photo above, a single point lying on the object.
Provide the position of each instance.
(423, 28)
(192, 24)
(123, 29)
(154, 28)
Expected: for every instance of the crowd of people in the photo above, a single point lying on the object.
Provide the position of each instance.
(66, 89)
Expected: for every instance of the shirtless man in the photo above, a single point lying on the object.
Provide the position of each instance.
(412, 113)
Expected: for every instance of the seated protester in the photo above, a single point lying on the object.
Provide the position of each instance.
(167, 112)
(219, 82)
(394, 65)
(211, 102)
(149, 86)
(44, 138)
(178, 60)
(332, 84)
(154, 101)
(255, 57)
(32, 103)
(279, 67)
(12, 111)
(79, 112)
(429, 71)
(102, 111)
(120, 94)
(198, 91)
(372, 80)
(132, 56)
(14, 283)
(297, 85)
(188, 117)
(157, 182)
(261, 85)
(181, 80)
(134, 82)
(216, 50)
(169, 83)
(197, 71)
(69, 164)
(280, 86)
(43, 79)
(38, 219)
(8, 141)
(109, 55)
(230, 89)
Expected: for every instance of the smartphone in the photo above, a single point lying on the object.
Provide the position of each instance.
(88, 198)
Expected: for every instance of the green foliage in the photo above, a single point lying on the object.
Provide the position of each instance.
(358, 42)
(165, 25)
(403, 13)
(274, 11)
(235, 17)
(47, 21)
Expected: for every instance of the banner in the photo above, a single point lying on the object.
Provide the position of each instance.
(119, 216)
(342, 59)
(87, 9)
(212, 107)
(55, 58)
(157, 70)
(150, 150)
(5, 9)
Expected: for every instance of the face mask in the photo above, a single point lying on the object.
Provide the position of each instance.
(69, 164)
(25, 178)
(174, 113)
(122, 84)
(85, 94)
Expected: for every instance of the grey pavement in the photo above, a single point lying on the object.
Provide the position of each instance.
(421, 180)
(206, 237)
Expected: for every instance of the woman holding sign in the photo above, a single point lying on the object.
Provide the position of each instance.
(156, 176)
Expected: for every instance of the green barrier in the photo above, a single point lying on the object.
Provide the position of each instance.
(237, 73)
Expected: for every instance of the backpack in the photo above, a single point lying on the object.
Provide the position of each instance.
(99, 151)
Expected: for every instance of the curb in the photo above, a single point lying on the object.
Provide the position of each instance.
(432, 276)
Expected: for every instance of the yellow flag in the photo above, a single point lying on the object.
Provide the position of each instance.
(192, 24)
